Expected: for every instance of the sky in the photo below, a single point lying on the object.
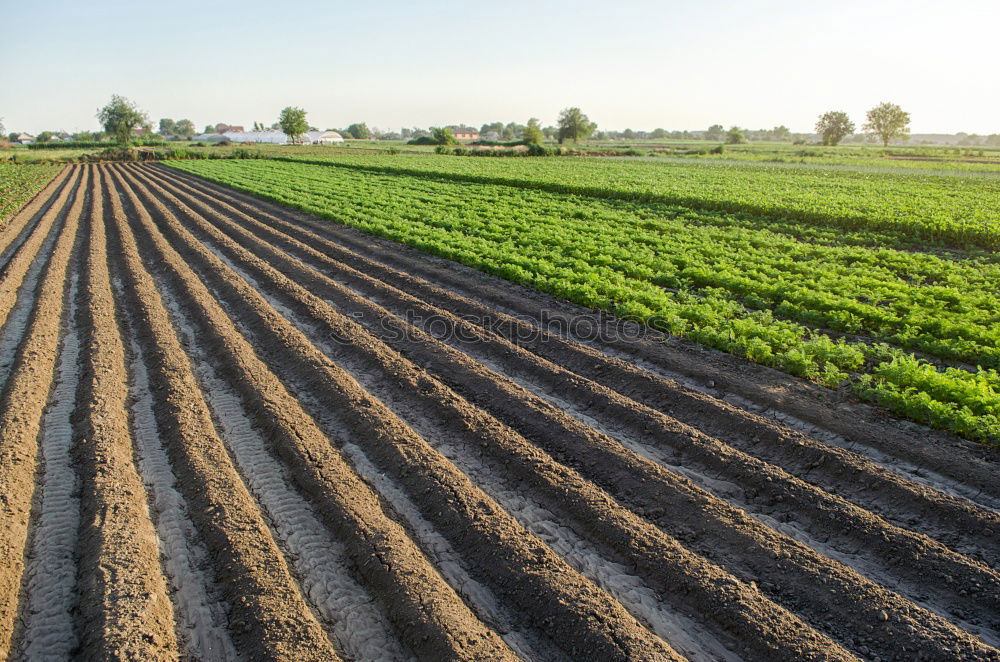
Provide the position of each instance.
(627, 63)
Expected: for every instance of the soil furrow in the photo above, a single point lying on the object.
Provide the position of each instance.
(849, 475)
(545, 424)
(927, 450)
(430, 618)
(619, 580)
(125, 608)
(970, 523)
(199, 606)
(642, 540)
(269, 618)
(355, 623)
(230, 430)
(22, 403)
(50, 587)
(517, 565)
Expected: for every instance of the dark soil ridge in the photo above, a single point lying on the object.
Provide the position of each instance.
(22, 405)
(330, 341)
(431, 618)
(836, 470)
(126, 614)
(356, 343)
(269, 619)
(715, 373)
(649, 548)
(517, 566)
(966, 587)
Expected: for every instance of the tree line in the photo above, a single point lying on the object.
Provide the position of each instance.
(121, 118)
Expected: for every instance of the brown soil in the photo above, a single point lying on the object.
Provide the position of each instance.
(435, 436)
(130, 615)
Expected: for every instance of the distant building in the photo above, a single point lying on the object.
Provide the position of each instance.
(228, 128)
(209, 138)
(464, 132)
(324, 137)
(492, 136)
(25, 138)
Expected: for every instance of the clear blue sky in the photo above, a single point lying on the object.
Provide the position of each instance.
(627, 63)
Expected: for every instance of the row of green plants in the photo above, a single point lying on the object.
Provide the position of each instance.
(19, 182)
(919, 209)
(841, 314)
(85, 144)
(534, 149)
(168, 154)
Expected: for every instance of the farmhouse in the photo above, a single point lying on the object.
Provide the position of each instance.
(25, 138)
(228, 128)
(464, 133)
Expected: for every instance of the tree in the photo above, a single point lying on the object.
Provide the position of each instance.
(12, 136)
(628, 134)
(496, 127)
(293, 123)
(782, 133)
(887, 121)
(184, 129)
(735, 136)
(167, 127)
(714, 132)
(658, 134)
(574, 125)
(120, 117)
(443, 136)
(44, 137)
(532, 134)
(513, 131)
(2, 129)
(358, 130)
(834, 126)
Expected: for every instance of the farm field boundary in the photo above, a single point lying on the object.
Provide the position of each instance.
(292, 441)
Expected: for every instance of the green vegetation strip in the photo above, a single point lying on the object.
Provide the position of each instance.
(829, 307)
(955, 211)
(19, 183)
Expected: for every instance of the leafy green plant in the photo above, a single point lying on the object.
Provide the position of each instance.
(842, 308)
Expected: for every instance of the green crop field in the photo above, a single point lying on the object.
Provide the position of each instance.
(19, 182)
(882, 283)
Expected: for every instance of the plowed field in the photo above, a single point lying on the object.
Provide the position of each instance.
(229, 430)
